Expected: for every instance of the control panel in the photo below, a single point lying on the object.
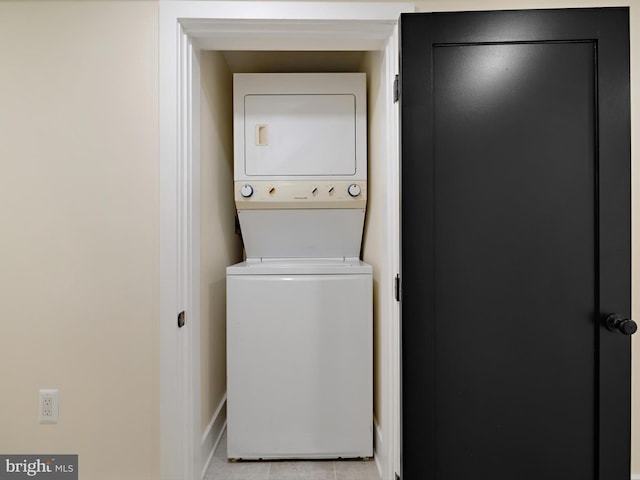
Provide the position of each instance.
(257, 195)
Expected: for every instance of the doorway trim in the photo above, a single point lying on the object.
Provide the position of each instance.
(185, 28)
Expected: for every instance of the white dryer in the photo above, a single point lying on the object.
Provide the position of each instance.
(299, 310)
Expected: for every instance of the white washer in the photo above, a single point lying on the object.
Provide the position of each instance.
(299, 359)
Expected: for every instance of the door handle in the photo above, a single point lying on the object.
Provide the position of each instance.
(621, 323)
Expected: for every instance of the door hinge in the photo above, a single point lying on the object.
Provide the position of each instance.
(396, 89)
(397, 287)
(181, 319)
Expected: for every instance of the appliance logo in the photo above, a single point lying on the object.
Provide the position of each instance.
(51, 467)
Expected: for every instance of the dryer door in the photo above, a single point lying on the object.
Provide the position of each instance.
(300, 135)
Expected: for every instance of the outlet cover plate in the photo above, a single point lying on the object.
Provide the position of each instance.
(48, 405)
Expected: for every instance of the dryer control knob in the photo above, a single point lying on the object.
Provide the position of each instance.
(354, 190)
(246, 190)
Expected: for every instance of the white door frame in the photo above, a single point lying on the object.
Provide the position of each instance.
(186, 27)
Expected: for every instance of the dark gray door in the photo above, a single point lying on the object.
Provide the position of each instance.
(516, 245)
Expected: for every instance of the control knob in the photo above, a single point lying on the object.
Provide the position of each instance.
(246, 190)
(354, 190)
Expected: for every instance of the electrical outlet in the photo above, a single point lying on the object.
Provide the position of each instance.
(48, 405)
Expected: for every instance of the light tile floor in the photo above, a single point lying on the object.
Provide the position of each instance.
(221, 469)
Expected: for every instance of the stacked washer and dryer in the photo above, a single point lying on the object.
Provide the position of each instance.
(299, 309)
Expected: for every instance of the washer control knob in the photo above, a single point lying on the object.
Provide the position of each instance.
(354, 190)
(246, 190)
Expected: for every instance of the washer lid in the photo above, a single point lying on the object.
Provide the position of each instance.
(300, 266)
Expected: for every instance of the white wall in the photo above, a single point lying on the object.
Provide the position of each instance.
(79, 243)
(459, 5)
(219, 245)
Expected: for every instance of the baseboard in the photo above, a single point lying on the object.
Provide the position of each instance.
(379, 452)
(635, 477)
(213, 433)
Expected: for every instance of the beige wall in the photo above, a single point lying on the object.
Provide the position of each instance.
(375, 251)
(219, 245)
(79, 242)
(455, 5)
(374, 245)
